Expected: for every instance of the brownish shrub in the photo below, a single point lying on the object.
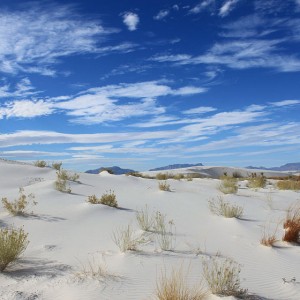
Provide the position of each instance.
(292, 225)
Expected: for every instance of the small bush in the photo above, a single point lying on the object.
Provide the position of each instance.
(164, 186)
(93, 199)
(19, 206)
(222, 277)
(176, 287)
(40, 164)
(126, 240)
(269, 239)
(178, 176)
(228, 185)
(13, 243)
(236, 174)
(292, 225)
(57, 166)
(288, 185)
(255, 181)
(109, 198)
(222, 208)
(145, 219)
(164, 176)
(61, 183)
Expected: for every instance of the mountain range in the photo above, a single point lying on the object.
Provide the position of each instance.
(176, 166)
(115, 170)
(286, 167)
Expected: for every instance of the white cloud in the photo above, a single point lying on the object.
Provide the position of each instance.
(161, 14)
(202, 6)
(34, 38)
(22, 88)
(227, 7)
(171, 58)
(199, 110)
(131, 20)
(285, 103)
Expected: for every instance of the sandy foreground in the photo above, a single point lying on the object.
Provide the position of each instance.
(66, 233)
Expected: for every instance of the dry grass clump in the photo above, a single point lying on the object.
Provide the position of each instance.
(40, 164)
(163, 176)
(140, 175)
(61, 183)
(175, 287)
(255, 181)
(220, 207)
(109, 198)
(19, 206)
(228, 185)
(269, 239)
(127, 240)
(145, 219)
(164, 186)
(178, 176)
(13, 243)
(93, 199)
(292, 225)
(288, 185)
(222, 276)
(56, 166)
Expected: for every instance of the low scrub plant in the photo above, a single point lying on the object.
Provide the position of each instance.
(228, 185)
(127, 240)
(292, 225)
(19, 207)
(164, 186)
(269, 238)
(145, 219)
(175, 287)
(178, 176)
(61, 184)
(164, 176)
(257, 181)
(109, 198)
(93, 199)
(13, 243)
(288, 185)
(56, 166)
(40, 164)
(222, 277)
(220, 207)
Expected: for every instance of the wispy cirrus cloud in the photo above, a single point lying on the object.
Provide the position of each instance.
(203, 5)
(34, 37)
(23, 88)
(161, 14)
(227, 7)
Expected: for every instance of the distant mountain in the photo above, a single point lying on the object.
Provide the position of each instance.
(286, 167)
(176, 166)
(116, 170)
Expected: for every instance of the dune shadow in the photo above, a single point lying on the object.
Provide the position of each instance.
(257, 297)
(43, 217)
(248, 219)
(36, 267)
(126, 209)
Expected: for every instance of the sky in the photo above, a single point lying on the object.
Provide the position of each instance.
(142, 84)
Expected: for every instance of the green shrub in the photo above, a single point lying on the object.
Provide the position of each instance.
(228, 185)
(13, 243)
(40, 164)
(222, 277)
(222, 208)
(19, 206)
(164, 186)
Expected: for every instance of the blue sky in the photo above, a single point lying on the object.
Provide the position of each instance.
(142, 84)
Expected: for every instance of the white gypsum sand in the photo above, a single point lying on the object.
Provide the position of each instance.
(72, 255)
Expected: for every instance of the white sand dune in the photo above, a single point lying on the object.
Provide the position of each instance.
(66, 231)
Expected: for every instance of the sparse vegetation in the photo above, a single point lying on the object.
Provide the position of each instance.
(178, 176)
(13, 243)
(292, 225)
(175, 287)
(145, 219)
(19, 206)
(222, 276)
(40, 164)
(164, 186)
(222, 208)
(109, 198)
(127, 240)
(228, 185)
(93, 199)
(256, 182)
(163, 176)
(137, 174)
(61, 183)
(269, 239)
(288, 185)
(56, 166)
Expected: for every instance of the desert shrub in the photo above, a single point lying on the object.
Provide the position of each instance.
(257, 181)
(109, 198)
(64, 175)
(228, 185)
(288, 185)
(236, 174)
(93, 199)
(145, 219)
(175, 287)
(13, 243)
(269, 238)
(178, 176)
(292, 225)
(135, 174)
(61, 183)
(40, 164)
(19, 206)
(56, 166)
(222, 276)
(164, 176)
(221, 207)
(164, 186)
(126, 239)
